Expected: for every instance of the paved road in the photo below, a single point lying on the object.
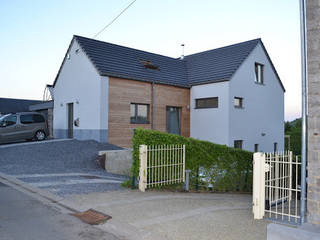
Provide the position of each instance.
(24, 218)
(62, 167)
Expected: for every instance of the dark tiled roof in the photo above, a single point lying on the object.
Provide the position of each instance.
(11, 105)
(124, 62)
(218, 64)
(205, 67)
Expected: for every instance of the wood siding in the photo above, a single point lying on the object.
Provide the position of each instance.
(123, 92)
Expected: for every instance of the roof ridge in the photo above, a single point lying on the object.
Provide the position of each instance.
(91, 39)
(228, 46)
(22, 99)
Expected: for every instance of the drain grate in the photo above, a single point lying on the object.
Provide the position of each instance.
(92, 217)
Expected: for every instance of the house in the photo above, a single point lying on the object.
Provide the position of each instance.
(230, 95)
(13, 105)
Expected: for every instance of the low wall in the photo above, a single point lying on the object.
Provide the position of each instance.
(118, 161)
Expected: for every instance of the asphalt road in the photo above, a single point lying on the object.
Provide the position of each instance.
(61, 167)
(24, 218)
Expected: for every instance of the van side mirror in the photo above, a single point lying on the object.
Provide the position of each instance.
(3, 124)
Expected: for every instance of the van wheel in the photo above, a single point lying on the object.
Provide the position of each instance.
(40, 135)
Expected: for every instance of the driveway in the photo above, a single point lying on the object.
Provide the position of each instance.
(159, 215)
(63, 167)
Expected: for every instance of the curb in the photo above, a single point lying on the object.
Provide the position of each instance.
(42, 195)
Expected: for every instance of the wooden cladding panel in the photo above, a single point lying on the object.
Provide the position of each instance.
(122, 92)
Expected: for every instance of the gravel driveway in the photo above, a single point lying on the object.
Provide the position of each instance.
(63, 167)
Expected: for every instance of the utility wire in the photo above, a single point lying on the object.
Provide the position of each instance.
(114, 19)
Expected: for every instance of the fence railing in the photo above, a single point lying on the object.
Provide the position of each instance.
(276, 186)
(161, 165)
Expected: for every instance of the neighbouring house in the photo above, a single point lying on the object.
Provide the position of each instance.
(13, 105)
(230, 95)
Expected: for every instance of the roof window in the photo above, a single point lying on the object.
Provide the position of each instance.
(148, 64)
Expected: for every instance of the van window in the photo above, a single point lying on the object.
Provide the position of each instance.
(31, 118)
(10, 120)
(37, 118)
(26, 119)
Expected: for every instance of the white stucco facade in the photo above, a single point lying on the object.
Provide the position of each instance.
(80, 83)
(211, 124)
(260, 121)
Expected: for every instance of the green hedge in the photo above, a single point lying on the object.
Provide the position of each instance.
(228, 169)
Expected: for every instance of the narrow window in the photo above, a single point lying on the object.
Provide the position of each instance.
(238, 144)
(259, 72)
(256, 147)
(139, 113)
(207, 102)
(238, 102)
(275, 147)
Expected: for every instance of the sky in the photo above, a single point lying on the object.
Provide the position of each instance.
(35, 35)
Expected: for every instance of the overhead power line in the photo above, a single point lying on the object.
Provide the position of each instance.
(114, 19)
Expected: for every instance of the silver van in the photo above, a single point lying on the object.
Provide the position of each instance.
(23, 126)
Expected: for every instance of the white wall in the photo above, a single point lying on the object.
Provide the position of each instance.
(263, 110)
(210, 124)
(79, 83)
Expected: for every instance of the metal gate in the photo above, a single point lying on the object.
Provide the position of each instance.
(276, 187)
(161, 165)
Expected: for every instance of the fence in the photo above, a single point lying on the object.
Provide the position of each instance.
(161, 165)
(276, 191)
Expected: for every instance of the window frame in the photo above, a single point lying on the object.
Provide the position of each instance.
(256, 67)
(136, 121)
(238, 141)
(204, 99)
(240, 101)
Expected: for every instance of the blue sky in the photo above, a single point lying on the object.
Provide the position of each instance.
(35, 35)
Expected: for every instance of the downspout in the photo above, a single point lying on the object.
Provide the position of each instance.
(304, 108)
(153, 105)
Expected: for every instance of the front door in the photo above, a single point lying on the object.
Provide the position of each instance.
(173, 120)
(70, 120)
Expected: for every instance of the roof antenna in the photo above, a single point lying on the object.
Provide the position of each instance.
(182, 56)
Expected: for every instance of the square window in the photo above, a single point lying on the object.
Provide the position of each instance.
(238, 144)
(238, 102)
(259, 72)
(139, 113)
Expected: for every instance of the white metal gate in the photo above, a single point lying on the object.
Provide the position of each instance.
(161, 165)
(276, 189)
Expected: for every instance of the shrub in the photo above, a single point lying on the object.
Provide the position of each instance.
(226, 168)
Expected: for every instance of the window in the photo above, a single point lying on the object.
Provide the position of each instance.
(10, 120)
(238, 144)
(26, 119)
(207, 102)
(31, 118)
(37, 118)
(256, 147)
(238, 102)
(139, 113)
(275, 147)
(259, 72)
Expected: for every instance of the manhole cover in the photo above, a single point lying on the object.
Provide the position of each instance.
(92, 217)
(91, 177)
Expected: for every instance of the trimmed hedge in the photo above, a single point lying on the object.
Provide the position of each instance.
(226, 168)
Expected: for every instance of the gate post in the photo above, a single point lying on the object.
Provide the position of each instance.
(143, 167)
(258, 196)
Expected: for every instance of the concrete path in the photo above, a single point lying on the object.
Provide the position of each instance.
(174, 216)
(24, 218)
